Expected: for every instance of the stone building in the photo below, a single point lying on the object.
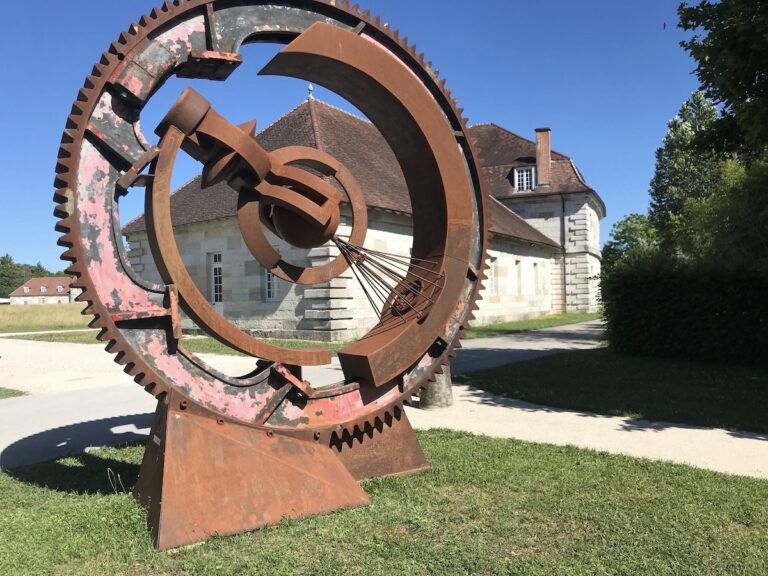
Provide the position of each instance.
(544, 249)
(52, 290)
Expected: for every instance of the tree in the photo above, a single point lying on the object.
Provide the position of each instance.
(732, 57)
(684, 173)
(631, 234)
(13, 274)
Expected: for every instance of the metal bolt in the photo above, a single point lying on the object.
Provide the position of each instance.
(183, 404)
(270, 433)
(317, 435)
(220, 421)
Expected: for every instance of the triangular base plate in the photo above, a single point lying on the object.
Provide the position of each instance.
(202, 475)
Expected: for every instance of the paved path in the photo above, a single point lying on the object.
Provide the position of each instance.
(90, 402)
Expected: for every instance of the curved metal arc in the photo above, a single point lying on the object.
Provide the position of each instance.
(173, 271)
(425, 145)
(249, 220)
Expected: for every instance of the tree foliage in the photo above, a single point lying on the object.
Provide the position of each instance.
(730, 46)
(633, 233)
(685, 175)
(13, 275)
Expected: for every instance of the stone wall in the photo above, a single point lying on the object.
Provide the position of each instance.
(38, 299)
(518, 284)
(575, 223)
(338, 310)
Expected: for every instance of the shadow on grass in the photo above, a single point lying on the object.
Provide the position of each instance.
(82, 472)
(651, 394)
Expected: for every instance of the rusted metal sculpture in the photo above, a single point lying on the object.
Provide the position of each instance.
(230, 454)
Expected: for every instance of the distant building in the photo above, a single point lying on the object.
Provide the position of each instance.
(52, 290)
(544, 251)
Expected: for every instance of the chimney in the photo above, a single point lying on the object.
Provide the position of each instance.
(543, 156)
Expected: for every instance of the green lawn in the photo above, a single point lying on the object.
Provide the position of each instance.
(206, 344)
(530, 324)
(68, 337)
(602, 381)
(487, 506)
(9, 393)
(198, 345)
(42, 317)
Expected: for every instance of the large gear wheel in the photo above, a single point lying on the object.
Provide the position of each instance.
(104, 154)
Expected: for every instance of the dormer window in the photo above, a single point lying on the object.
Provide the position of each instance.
(26, 289)
(43, 289)
(59, 289)
(525, 178)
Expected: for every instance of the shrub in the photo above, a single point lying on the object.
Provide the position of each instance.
(663, 306)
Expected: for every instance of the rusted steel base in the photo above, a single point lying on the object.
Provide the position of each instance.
(202, 476)
(369, 453)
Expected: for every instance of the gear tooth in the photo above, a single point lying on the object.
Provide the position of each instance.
(115, 47)
(95, 322)
(121, 357)
(154, 14)
(123, 39)
(61, 196)
(65, 151)
(167, 6)
(68, 255)
(377, 21)
(61, 168)
(63, 224)
(65, 241)
(105, 60)
(144, 20)
(67, 137)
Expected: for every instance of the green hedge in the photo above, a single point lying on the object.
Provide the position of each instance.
(662, 306)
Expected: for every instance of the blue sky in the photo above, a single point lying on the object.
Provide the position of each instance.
(606, 76)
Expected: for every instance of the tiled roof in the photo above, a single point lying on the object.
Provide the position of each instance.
(340, 134)
(50, 284)
(501, 151)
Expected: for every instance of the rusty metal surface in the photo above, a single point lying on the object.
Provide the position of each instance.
(204, 475)
(423, 301)
(390, 449)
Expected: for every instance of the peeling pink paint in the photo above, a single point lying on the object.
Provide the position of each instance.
(94, 189)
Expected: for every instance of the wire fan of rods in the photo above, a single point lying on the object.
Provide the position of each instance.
(400, 281)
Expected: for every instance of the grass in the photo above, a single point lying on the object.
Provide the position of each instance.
(605, 382)
(9, 393)
(208, 345)
(487, 506)
(67, 337)
(198, 345)
(531, 324)
(39, 317)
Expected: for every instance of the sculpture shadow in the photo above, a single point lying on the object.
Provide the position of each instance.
(35, 459)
